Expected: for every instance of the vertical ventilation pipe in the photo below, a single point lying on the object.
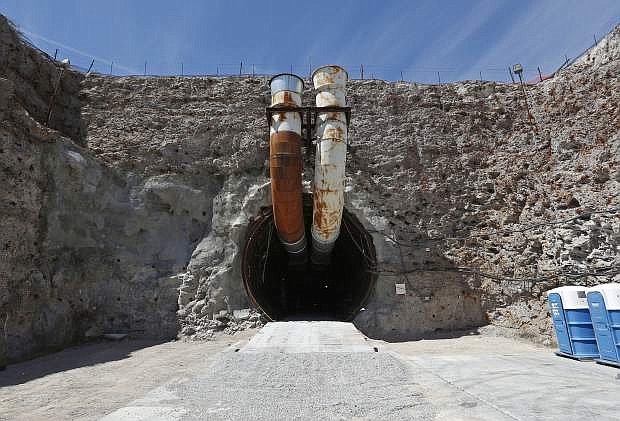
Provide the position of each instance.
(285, 166)
(331, 150)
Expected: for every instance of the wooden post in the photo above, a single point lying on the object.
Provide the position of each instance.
(540, 74)
(511, 75)
(111, 64)
(182, 69)
(91, 66)
(144, 67)
(252, 69)
(240, 68)
(362, 71)
(55, 53)
(480, 75)
(401, 76)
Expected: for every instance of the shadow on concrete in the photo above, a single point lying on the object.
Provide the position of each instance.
(311, 317)
(436, 335)
(71, 358)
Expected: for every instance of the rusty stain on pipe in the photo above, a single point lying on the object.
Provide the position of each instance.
(329, 174)
(285, 166)
(285, 169)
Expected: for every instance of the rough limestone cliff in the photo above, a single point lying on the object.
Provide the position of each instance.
(126, 206)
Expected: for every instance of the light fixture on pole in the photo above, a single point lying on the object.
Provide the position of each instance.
(518, 70)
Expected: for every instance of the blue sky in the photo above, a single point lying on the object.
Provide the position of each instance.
(459, 39)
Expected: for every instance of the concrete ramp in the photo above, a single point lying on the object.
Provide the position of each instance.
(308, 336)
(297, 370)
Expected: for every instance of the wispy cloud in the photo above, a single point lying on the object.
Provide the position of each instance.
(417, 37)
(77, 51)
(545, 31)
(450, 40)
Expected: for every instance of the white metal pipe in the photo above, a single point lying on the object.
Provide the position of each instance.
(329, 169)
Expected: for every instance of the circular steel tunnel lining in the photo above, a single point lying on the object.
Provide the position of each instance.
(283, 291)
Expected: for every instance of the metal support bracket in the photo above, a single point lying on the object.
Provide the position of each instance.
(308, 117)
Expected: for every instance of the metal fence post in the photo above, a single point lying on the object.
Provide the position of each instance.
(439, 91)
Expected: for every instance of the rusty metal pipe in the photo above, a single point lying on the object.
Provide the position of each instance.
(285, 166)
(329, 169)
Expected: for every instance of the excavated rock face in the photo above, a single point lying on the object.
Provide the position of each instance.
(459, 176)
(85, 247)
(29, 84)
(127, 209)
(48, 92)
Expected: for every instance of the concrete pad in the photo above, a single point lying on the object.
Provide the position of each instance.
(486, 378)
(142, 413)
(527, 386)
(308, 336)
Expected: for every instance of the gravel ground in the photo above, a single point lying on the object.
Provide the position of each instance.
(301, 386)
(90, 381)
(467, 376)
(298, 370)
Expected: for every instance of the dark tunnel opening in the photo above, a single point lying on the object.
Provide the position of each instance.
(283, 291)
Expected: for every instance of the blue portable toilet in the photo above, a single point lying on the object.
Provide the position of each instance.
(572, 322)
(604, 303)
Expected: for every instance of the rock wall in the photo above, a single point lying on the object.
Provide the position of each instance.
(47, 91)
(85, 247)
(476, 192)
(30, 86)
(129, 212)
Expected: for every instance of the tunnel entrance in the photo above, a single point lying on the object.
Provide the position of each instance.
(283, 291)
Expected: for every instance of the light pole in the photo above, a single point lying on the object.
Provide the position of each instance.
(518, 70)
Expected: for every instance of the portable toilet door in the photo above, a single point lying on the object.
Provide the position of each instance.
(604, 303)
(559, 322)
(578, 324)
